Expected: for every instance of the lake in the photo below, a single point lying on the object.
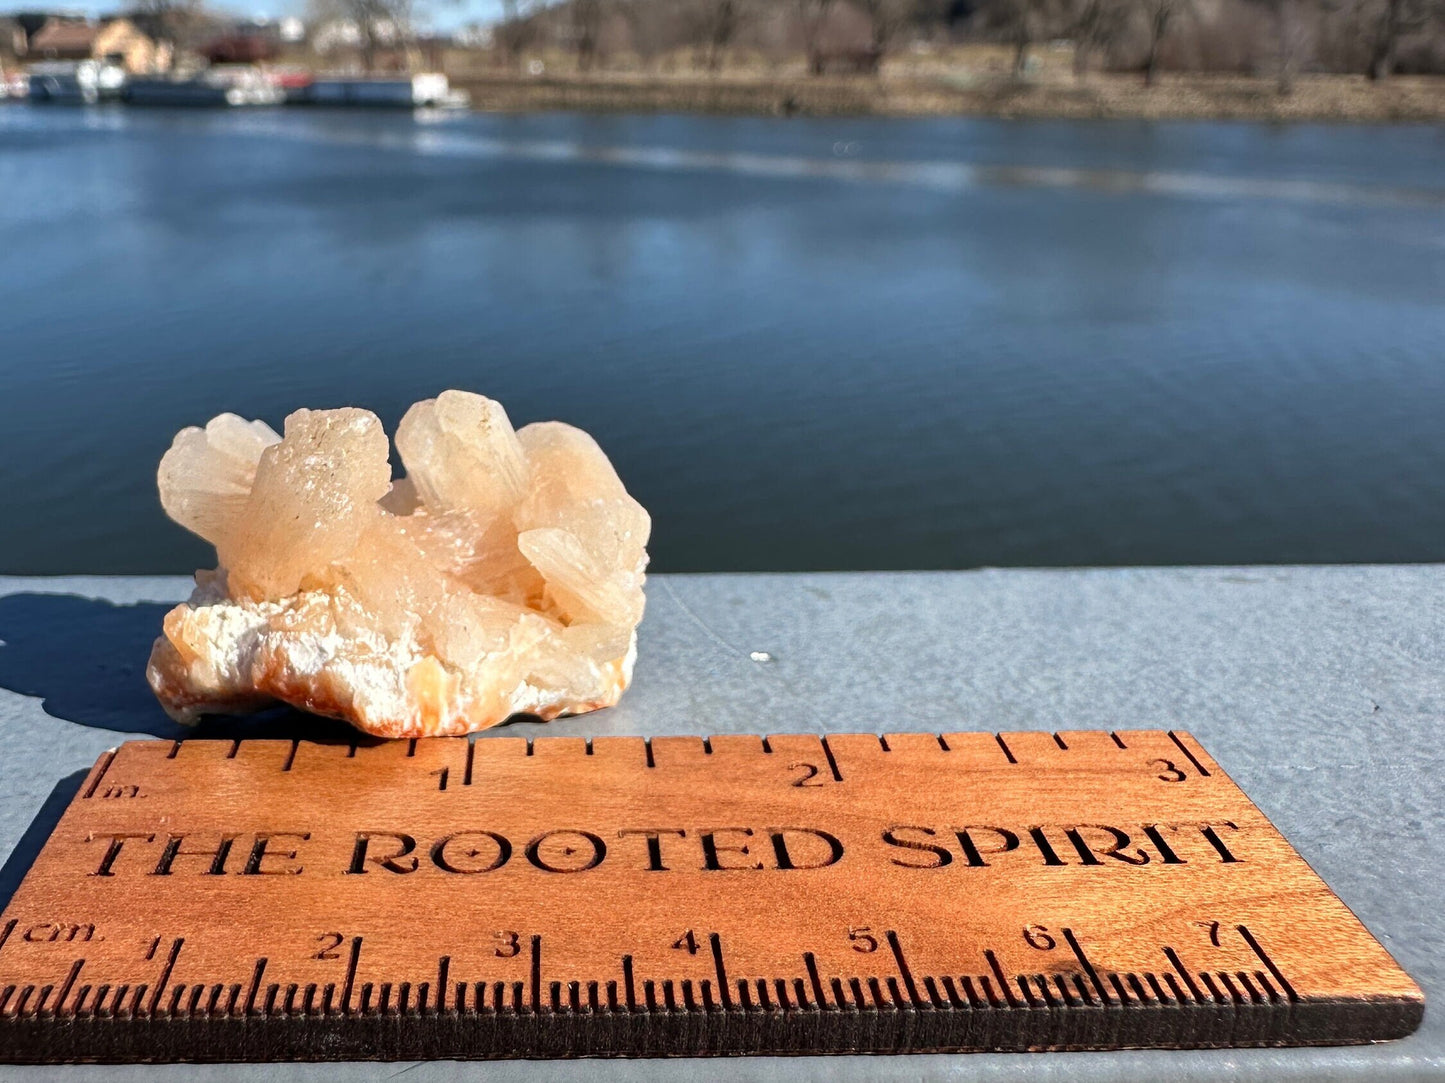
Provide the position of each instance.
(807, 344)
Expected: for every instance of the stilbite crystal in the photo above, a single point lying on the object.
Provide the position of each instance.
(502, 574)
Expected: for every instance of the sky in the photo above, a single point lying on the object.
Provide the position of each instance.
(441, 14)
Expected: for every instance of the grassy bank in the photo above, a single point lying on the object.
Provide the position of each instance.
(1314, 98)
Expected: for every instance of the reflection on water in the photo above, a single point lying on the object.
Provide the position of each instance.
(939, 176)
(806, 343)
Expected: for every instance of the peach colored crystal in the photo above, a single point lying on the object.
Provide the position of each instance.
(502, 574)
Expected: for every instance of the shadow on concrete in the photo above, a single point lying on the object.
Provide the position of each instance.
(28, 847)
(85, 658)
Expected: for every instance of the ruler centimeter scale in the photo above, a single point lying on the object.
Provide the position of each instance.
(447, 898)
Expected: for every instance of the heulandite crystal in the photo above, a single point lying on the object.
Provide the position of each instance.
(502, 574)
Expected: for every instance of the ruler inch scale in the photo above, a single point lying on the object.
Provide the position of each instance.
(506, 897)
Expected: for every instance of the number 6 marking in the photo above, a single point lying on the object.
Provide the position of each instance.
(1038, 937)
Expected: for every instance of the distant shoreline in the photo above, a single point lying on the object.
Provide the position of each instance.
(1342, 98)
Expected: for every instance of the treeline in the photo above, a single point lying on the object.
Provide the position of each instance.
(1278, 38)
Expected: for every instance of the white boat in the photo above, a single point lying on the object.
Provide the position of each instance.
(220, 85)
(75, 82)
(423, 90)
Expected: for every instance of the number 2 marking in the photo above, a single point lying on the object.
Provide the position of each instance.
(332, 942)
(805, 780)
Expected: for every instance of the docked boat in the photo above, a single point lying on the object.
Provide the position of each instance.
(14, 86)
(75, 82)
(423, 90)
(220, 85)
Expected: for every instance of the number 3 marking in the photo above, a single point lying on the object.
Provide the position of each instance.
(1170, 773)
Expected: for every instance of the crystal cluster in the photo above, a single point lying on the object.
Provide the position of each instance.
(502, 574)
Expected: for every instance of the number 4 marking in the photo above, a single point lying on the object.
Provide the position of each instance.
(686, 942)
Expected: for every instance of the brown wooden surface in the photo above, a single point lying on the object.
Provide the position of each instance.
(213, 900)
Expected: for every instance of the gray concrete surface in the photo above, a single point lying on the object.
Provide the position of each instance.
(1319, 689)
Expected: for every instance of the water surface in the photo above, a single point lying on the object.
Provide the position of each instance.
(805, 343)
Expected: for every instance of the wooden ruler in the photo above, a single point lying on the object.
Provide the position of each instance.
(211, 900)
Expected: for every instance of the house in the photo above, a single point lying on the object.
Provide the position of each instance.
(242, 48)
(13, 39)
(63, 38)
(122, 42)
(117, 40)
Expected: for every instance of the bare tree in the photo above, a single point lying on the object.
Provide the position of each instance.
(173, 22)
(379, 23)
(1393, 20)
(1291, 36)
(649, 29)
(885, 18)
(1097, 25)
(1019, 22)
(812, 16)
(586, 29)
(516, 30)
(716, 23)
(1159, 17)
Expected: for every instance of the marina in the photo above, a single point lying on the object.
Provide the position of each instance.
(89, 82)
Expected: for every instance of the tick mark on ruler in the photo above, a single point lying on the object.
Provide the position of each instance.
(350, 980)
(1174, 961)
(998, 973)
(724, 992)
(69, 981)
(255, 985)
(629, 987)
(1093, 974)
(166, 972)
(105, 763)
(536, 973)
(812, 966)
(1264, 958)
(1192, 759)
(1001, 744)
(903, 967)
